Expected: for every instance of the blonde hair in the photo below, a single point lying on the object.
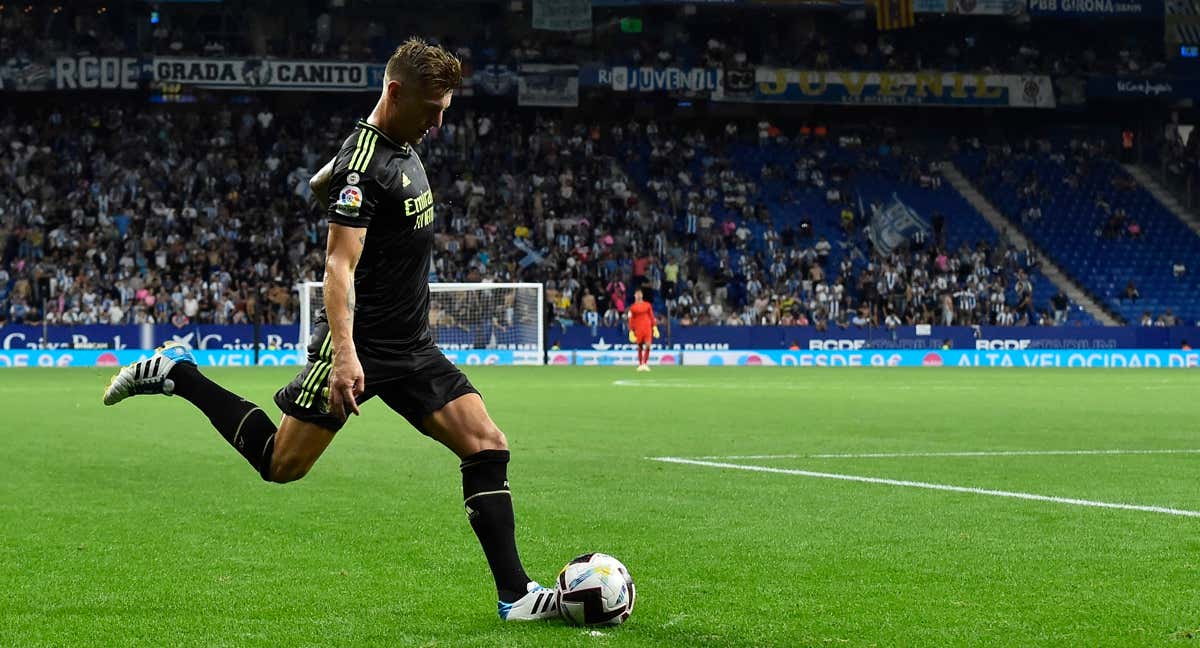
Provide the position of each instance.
(430, 65)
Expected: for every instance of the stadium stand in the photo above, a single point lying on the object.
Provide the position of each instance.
(790, 213)
(204, 216)
(1108, 232)
(127, 215)
(218, 227)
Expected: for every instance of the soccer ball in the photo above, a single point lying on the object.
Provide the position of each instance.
(595, 589)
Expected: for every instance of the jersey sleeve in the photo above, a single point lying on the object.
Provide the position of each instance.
(352, 199)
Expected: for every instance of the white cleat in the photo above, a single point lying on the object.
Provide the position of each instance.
(148, 376)
(539, 603)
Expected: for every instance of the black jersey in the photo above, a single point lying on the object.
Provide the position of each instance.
(380, 185)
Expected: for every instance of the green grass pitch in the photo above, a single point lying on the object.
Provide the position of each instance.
(138, 525)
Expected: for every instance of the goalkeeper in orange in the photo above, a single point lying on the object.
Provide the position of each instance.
(642, 328)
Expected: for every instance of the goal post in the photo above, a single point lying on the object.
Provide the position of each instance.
(473, 323)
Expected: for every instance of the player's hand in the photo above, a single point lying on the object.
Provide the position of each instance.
(632, 337)
(655, 332)
(346, 384)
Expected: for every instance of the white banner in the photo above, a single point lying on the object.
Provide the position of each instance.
(931, 88)
(96, 72)
(548, 85)
(648, 79)
(623, 358)
(562, 15)
(260, 74)
(1030, 91)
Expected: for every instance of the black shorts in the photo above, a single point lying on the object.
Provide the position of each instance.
(414, 383)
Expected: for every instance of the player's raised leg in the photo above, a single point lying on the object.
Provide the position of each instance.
(279, 454)
(464, 426)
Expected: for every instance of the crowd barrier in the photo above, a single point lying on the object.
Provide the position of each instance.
(1109, 358)
(720, 338)
(223, 357)
(1112, 358)
(241, 337)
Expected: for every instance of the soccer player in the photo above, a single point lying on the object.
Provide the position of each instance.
(641, 328)
(372, 337)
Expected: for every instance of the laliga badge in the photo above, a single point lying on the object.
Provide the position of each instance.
(349, 200)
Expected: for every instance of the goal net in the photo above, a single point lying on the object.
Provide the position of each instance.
(473, 323)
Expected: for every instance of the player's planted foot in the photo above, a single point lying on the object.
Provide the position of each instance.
(539, 603)
(148, 376)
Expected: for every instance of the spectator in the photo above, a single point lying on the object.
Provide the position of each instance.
(1060, 303)
(1131, 293)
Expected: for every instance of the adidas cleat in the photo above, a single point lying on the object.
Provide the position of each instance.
(148, 376)
(539, 603)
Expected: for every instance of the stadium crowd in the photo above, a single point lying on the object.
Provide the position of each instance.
(795, 267)
(117, 216)
(121, 215)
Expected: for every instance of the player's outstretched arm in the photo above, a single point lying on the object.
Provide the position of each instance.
(319, 183)
(346, 381)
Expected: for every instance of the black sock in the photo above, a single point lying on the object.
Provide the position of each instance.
(243, 424)
(490, 510)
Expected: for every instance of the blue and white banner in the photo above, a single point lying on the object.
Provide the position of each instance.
(777, 85)
(692, 338)
(493, 79)
(982, 338)
(1029, 358)
(492, 357)
(132, 73)
(258, 74)
(607, 358)
(651, 79)
(99, 336)
(894, 225)
(225, 357)
(1116, 358)
(93, 358)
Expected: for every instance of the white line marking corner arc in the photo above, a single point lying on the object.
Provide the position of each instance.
(985, 453)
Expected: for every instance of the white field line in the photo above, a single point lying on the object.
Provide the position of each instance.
(995, 453)
(789, 386)
(809, 386)
(926, 485)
